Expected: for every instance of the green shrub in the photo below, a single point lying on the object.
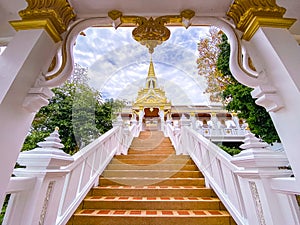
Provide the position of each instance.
(230, 150)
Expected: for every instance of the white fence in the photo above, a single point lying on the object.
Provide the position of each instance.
(251, 186)
(46, 192)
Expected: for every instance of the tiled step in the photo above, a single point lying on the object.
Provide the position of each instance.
(158, 145)
(122, 166)
(151, 217)
(151, 181)
(151, 173)
(154, 161)
(151, 203)
(132, 151)
(150, 191)
(159, 149)
(151, 186)
(152, 156)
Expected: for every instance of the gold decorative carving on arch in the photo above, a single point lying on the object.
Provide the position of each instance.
(249, 15)
(52, 15)
(151, 31)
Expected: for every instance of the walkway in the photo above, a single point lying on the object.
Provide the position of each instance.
(151, 185)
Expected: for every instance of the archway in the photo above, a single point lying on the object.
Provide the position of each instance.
(272, 93)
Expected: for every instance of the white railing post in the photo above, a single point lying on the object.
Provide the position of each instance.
(118, 122)
(193, 120)
(260, 165)
(42, 163)
(136, 130)
(126, 134)
(183, 144)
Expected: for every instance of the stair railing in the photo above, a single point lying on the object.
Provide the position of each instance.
(53, 184)
(254, 185)
(174, 133)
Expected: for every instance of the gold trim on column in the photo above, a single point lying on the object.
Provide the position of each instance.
(37, 24)
(52, 15)
(249, 15)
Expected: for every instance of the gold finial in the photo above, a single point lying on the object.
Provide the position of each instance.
(56, 128)
(151, 72)
(249, 15)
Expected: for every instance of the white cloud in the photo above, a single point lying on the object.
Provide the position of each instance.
(118, 65)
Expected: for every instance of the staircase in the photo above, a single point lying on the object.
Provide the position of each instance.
(151, 185)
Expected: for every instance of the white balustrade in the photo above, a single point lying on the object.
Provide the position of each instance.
(53, 184)
(263, 185)
(250, 185)
(174, 134)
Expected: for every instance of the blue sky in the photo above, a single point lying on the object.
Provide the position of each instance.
(118, 65)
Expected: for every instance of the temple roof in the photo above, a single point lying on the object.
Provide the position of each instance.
(151, 96)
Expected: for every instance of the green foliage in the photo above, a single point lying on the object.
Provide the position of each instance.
(230, 150)
(3, 210)
(108, 113)
(34, 137)
(241, 101)
(223, 58)
(77, 110)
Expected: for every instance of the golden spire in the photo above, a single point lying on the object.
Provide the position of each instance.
(151, 72)
(151, 79)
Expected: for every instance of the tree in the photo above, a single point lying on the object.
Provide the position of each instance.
(213, 64)
(77, 110)
(207, 64)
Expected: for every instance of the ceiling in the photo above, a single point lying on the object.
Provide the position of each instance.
(88, 8)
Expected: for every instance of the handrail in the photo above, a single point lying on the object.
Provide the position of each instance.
(51, 195)
(174, 135)
(218, 171)
(84, 172)
(256, 194)
(39, 190)
(90, 162)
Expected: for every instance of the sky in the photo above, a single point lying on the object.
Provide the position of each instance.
(118, 65)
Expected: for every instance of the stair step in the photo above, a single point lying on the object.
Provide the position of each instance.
(151, 181)
(154, 203)
(154, 161)
(151, 186)
(152, 173)
(151, 217)
(150, 191)
(130, 151)
(122, 166)
(152, 156)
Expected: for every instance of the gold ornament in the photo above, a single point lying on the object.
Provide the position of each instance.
(249, 15)
(153, 31)
(52, 15)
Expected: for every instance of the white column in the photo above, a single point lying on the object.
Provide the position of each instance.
(276, 56)
(25, 58)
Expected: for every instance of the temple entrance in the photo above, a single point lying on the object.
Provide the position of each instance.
(151, 119)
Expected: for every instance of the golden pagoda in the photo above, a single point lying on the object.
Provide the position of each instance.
(151, 99)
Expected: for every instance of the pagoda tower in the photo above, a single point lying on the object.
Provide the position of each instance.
(151, 103)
